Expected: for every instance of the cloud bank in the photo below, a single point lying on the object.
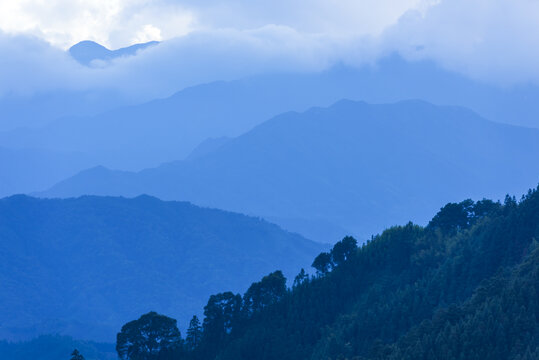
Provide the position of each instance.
(207, 40)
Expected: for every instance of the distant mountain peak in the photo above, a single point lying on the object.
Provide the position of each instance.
(87, 51)
(88, 44)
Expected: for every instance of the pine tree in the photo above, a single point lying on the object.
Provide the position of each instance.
(194, 333)
(76, 355)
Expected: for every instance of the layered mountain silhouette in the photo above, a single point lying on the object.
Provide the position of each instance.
(85, 52)
(146, 135)
(353, 166)
(85, 266)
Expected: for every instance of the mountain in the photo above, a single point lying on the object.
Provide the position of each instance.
(38, 109)
(463, 287)
(55, 347)
(146, 135)
(206, 147)
(354, 166)
(27, 169)
(83, 267)
(26, 112)
(85, 52)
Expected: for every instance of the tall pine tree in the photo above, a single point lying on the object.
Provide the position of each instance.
(194, 333)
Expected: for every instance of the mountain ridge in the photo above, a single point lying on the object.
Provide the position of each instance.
(82, 266)
(413, 155)
(168, 129)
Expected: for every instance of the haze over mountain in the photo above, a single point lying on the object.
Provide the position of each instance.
(83, 267)
(38, 108)
(354, 166)
(136, 137)
(37, 168)
(276, 180)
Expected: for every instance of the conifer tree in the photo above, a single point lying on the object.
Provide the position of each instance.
(194, 333)
(76, 355)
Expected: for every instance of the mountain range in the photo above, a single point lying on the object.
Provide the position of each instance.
(83, 267)
(98, 125)
(355, 166)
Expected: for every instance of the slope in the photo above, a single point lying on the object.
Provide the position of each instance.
(82, 267)
(464, 287)
(353, 165)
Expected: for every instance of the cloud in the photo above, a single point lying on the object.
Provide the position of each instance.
(30, 64)
(207, 40)
(493, 40)
(114, 23)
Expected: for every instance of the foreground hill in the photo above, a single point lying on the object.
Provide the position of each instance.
(464, 287)
(84, 266)
(352, 166)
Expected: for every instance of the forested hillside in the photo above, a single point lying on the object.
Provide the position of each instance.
(82, 267)
(463, 287)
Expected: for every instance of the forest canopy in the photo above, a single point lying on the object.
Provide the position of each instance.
(465, 286)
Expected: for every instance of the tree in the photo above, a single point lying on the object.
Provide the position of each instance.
(76, 355)
(453, 217)
(485, 207)
(343, 249)
(194, 334)
(267, 291)
(322, 263)
(148, 337)
(220, 314)
(301, 278)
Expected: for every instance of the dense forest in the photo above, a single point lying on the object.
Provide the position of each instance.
(463, 287)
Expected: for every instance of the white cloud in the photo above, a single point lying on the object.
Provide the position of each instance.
(207, 40)
(495, 40)
(114, 23)
(148, 33)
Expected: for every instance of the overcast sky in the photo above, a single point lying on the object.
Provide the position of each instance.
(117, 23)
(205, 40)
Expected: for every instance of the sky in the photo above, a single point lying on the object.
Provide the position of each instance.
(206, 40)
(117, 23)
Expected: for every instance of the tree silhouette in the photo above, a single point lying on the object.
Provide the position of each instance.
(322, 263)
(301, 278)
(343, 249)
(148, 337)
(453, 217)
(267, 291)
(220, 313)
(76, 355)
(194, 333)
